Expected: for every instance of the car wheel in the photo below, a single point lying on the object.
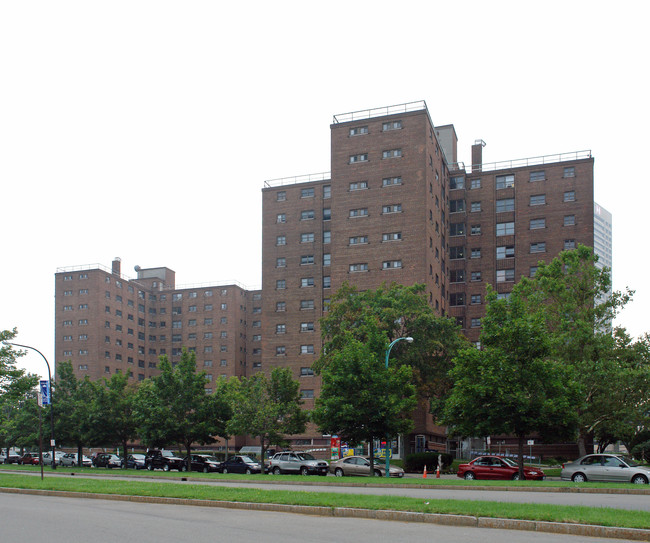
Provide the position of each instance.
(640, 480)
(377, 473)
(579, 478)
(150, 467)
(339, 472)
(225, 470)
(248, 471)
(469, 476)
(304, 471)
(166, 467)
(276, 470)
(515, 476)
(184, 468)
(205, 469)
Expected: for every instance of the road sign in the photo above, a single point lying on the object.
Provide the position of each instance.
(45, 391)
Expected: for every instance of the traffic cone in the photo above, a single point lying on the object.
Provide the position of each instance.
(424, 473)
(438, 472)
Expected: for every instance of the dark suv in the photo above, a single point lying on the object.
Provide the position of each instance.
(297, 462)
(162, 459)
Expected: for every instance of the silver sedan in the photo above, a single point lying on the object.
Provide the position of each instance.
(605, 467)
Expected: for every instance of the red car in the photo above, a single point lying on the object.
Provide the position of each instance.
(29, 458)
(497, 467)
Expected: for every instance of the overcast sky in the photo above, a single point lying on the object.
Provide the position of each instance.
(146, 129)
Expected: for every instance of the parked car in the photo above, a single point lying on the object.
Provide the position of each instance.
(240, 464)
(29, 459)
(360, 466)
(106, 460)
(13, 458)
(497, 467)
(162, 459)
(134, 461)
(605, 467)
(202, 462)
(297, 462)
(70, 459)
(47, 458)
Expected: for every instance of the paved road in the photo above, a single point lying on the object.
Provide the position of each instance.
(617, 501)
(66, 520)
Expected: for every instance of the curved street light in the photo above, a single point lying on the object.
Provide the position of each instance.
(49, 376)
(409, 340)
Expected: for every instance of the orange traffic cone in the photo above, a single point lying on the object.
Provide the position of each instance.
(438, 472)
(424, 473)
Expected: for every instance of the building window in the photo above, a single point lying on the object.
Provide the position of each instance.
(456, 183)
(281, 284)
(537, 176)
(281, 196)
(456, 299)
(327, 281)
(307, 394)
(306, 282)
(569, 220)
(306, 304)
(505, 181)
(391, 236)
(456, 206)
(306, 349)
(176, 297)
(360, 267)
(327, 259)
(306, 372)
(475, 299)
(391, 208)
(390, 181)
(475, 207)
(570, 196)
(280, 306)
(476, 276)
(281, 218)
(327, 192)
(362, 157)
(306, 259)
(475, 184)
(192, 309)
(281, 262)
(475, 323)
(327, 236)
(391, 153)
(475, 229)
(537, 223)
(457, 229)
(327, 214)
(281, 240)
(361, 212)
(569, 171)
(391, 125)
(307, 193)
(358, 240)
(456, 253)
(391, 264)
(538, 199)
(307, 237)
(505, 204)
(569, 244)
(358, 131)
(505, 251)
(539, 247)
(306, 326)
(533, 271)
(507, 275)
(359, 185)
(457, 276)
(307, 215)
(280, 350)
(475, 253)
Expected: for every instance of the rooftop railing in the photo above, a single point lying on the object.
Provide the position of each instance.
(521, 162)
(323, 176)
(380, 112)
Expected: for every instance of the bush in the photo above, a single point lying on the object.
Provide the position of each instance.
(416, 462)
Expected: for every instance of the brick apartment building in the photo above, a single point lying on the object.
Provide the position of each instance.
(397, 206)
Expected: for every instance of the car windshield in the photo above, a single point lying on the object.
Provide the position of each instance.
(509, 462)
(211, 459)
(167, 453)
(306, 456)
(248, 460)
(629, 461)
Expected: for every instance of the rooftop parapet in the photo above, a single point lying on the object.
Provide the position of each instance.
(521, 162)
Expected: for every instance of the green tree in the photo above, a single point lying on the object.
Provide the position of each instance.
(571, 293)
(173, 407)
(267, 408)
(15, 385)
(396, 311)
(360, 398)
(512, 386)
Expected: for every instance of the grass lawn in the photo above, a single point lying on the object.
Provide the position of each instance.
(140, 487)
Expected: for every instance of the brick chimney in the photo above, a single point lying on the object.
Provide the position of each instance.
(477, 155)
(117, 265)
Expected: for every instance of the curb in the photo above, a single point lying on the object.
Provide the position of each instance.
(588, 530)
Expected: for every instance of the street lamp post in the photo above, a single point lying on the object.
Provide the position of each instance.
(409, 340)
(49, 376)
